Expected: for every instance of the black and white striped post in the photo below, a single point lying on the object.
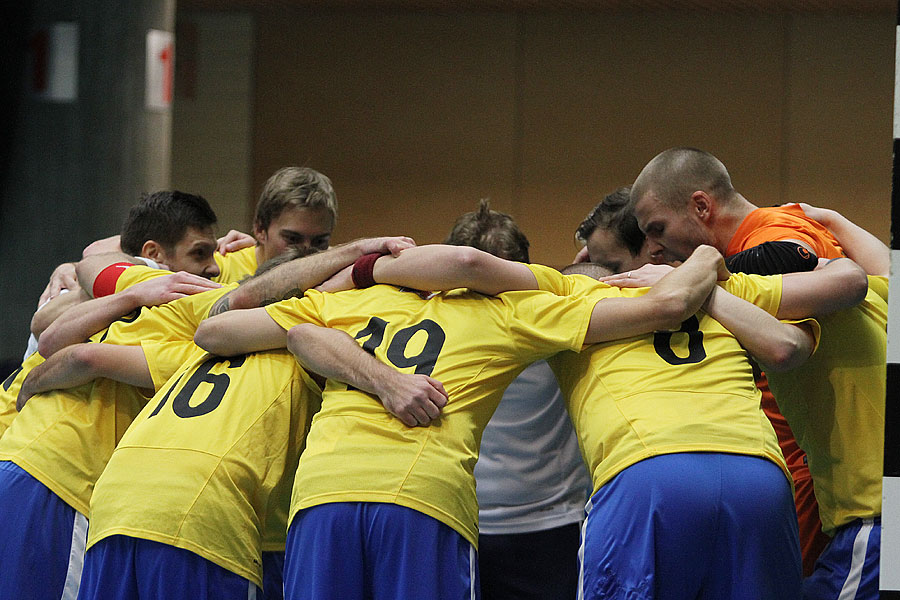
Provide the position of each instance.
(890, 517)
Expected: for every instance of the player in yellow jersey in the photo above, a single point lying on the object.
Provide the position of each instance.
(172, 227)
(50, 456)
(384, 511)
(253, 439)
(684, 197)
(166, 227)
(297, 209)
(612, 237)
(724, 370)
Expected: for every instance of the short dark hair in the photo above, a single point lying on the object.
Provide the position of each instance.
(614, 213)
(295, 187)
(164, 217)
(592, 270)
(491, 231)
(674, 174)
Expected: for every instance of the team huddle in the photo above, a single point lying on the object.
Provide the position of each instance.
(693, 409)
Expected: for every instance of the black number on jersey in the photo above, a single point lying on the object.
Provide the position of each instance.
(375, 331)
(7, 383)
(662, 343)
(129, 318)
(181, 404)
(424, 361)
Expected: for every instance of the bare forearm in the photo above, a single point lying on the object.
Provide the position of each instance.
(66, 369)
(290, 279)
(858, 244)
(441, 267)
(49, 313)
(82, 363)
(335, 355)
(83, 320)
(837, 285)
(239, 332)
(682, 291)
(414, 399)
(778, 346)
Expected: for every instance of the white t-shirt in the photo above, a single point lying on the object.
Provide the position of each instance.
(530, 475)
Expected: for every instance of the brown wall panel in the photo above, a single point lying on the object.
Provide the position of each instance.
(416, 115)
(840, 104)
(411, 115)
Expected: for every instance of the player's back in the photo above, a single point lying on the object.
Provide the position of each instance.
(218, 446)
(475, 345)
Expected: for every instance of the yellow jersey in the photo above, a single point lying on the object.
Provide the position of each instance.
(690, 390)
(475, 345)
(64, 438)
(835, 405)
(236, 265)
(217, 448)
(9, 390)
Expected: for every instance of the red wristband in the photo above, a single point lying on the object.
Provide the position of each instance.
(105, 282)
(362, 270)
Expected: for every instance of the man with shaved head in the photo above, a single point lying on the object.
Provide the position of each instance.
(835, 402)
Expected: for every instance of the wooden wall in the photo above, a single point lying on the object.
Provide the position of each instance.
(417, 115)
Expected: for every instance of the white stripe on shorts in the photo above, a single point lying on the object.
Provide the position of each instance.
(76, 557)
(857, 561)
(587, 511)
(251, 590)
(472, 558)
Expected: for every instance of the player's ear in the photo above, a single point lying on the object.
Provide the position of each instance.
(701, 205)
(153, 250)
(261, 235)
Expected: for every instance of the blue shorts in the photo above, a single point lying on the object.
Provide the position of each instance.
(41, 539)
(848, 568)
(698, 526)
(376, 551)
(127, 568)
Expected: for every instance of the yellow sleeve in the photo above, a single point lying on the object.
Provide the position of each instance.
(762, 290)
(814, 327)
(164, 359)
(137, 274)
(546, 323)
(294, 311)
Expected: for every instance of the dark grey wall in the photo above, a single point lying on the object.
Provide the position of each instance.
(72, 170)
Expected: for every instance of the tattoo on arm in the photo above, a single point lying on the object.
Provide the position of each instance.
(292, 293)
(221, 305)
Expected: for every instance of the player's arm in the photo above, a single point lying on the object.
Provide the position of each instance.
(52, 309)
(239, 332)
(91, 266)
(103, 246)
(62, 278)
(674, 298)
(85, 319)
(295, 277)
(442, 267)
(414, 399)
(777, 346)
(838, 284)
(772, 258)
(82, 363)
(860, 245)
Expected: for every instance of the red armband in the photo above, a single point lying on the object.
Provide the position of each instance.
(362, 270)
(105, 282)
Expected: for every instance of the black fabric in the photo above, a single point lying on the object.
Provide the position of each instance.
(540, 565)
(772, 258)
